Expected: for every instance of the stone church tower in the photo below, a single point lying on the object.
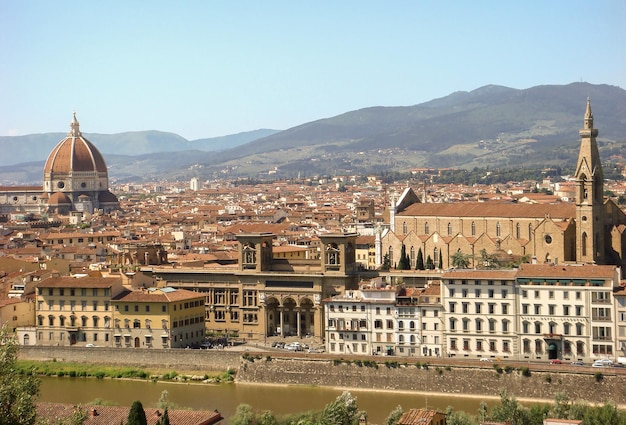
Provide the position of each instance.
(590, 216)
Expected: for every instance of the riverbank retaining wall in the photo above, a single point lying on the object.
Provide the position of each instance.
(177, 360)
(485, 381)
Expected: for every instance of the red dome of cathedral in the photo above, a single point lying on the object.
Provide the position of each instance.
(59, 198)
(75, 154)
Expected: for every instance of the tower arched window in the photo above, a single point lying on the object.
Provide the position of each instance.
(518, 231)
(473, 228)
(498, 229)
(412, 256)
(436, 258)
(404, 228)
(390, 255)
(426, 229)
(582, 187)
(449, 228)
(530, 231)
(583, 244)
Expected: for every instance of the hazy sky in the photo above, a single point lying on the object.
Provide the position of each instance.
(210, 68)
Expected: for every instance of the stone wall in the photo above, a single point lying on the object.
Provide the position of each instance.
(178, 360)
(581, 385)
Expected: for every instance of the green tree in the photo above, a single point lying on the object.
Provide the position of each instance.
(440, 260)
(430, 265)
(509, 410)
(136, 414)
(405, 262)
(386, 263)
(342, 411)
(419, 265)
(488, 261)
(460, 418)
(460, 260)
(18, 392)
(243, 415)
(607, 414)
(394, 415)
(560, 407)
(266, 418)
(482, 411)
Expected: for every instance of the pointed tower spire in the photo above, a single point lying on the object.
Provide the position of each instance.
(588, 116)
(74, 127)
(589, 195)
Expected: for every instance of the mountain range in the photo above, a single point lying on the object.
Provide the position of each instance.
(492, 126)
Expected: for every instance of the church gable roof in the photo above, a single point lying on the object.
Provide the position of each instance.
(491, 209)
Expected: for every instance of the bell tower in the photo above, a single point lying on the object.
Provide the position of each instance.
(589, 196)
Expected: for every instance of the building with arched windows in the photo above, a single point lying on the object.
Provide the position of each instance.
(265, 296)
(589, 230)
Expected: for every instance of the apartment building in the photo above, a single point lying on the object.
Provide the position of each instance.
(536, 312)
(431, 320)
(566, 311)
(71, 310)
(620, 320)
(158, 318)
(479, 313)
(362, 321)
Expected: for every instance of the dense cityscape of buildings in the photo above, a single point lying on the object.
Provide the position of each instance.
(360, 266)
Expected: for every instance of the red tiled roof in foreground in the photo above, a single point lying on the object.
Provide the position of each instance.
(116, 415)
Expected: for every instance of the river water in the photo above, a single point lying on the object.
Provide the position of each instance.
(226, 397)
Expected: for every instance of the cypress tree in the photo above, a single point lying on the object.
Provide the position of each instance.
(419, 265)
(136, 415)
(403, 264)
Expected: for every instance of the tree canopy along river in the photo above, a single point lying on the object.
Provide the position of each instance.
(226, 397)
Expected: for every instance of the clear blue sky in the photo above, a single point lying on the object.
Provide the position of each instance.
(210, 68)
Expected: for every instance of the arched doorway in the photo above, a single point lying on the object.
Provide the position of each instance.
(137, 343)
(289, 317)
(272, 319)
(307, 317)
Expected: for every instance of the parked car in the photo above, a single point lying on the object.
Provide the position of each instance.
(485, 359)
(577, 363)
(602, 363)
(294, 346)
(556, 361)
(90, 345)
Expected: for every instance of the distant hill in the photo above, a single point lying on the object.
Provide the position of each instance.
(492, 126)
(35, 147)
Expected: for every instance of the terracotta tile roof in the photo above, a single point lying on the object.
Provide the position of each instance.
(80, 282)
(564, 271)
(116, 415)
(480, 274)
(417, 417)
(491, 209)
(157, 295)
